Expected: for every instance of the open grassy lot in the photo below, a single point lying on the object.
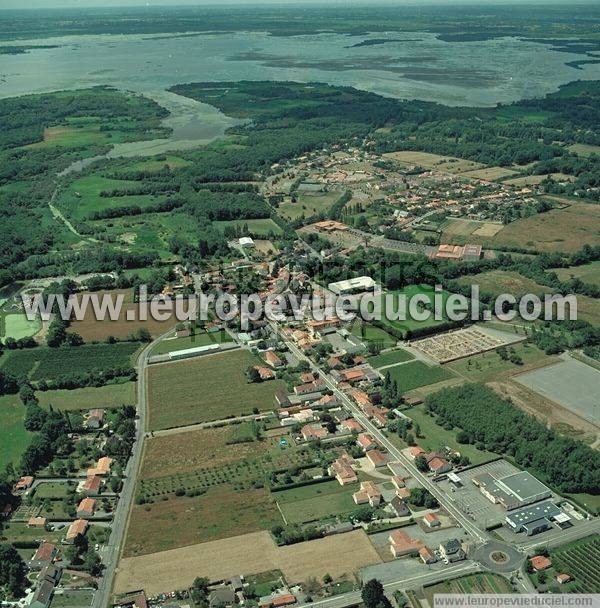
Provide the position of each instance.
(181, 521)
(343, 554)
(490, 174)
(45, 363)
(90, 397)
(308, 204)
(16, 325)
(369, 333)
(390, 358)
(556, 230)
(199, 339)
(69, 598)
(446, 164)
(54, 490)
(416, 374)
(260, 227)
(433, 437)
(19, 532)
(489, 366)
(474, 583)
(15, 438)
(157, 164)
(92, 330)
(584, 149)
(501, 281)
(315, 501)
(588, 273)
(212, 387)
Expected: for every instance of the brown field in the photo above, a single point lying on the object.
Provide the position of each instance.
(534, 180)
(182, 521)
(109, 396)
(490, 174)
(248, 554)
(184, 452)
(207, 388)
(265, 247)
(90, 329)
(446, 164)
(563, 230)
(488, 229)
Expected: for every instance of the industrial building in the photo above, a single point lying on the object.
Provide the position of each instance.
(512, 491)
(536, 518)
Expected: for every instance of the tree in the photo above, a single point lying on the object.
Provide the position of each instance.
(12, 570)
(373, 596)
(327, 579)
(421, 463)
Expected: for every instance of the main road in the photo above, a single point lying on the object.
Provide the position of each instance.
(111, 551)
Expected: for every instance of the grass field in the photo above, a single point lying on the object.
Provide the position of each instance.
(588, 273)
(489, 366)
(434, 437)
(181, 521)
(260, 227)
(308, 204)
(370, 333)
(490, 174)
(45, 363)
(92, 330)
(18, 326)
(315, 501)
(154, 165)
(200, 339)
(389, 358)
(15, 438)
(53, 490)
(474, 583)
(446, 164)
(416, 374)
(109, 396)
(342, 554)
(19, 532)
(584, 149)
(207, 388)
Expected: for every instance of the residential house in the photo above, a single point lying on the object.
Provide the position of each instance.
(222, 597)
(366, 442)
(403, 493)
(362, 399)
(377, 458)
(23, 484)
(403, 544)
(342, 470)
(368, 493)
(95, 419)
(45, 554)
(78, 527)
(326, 402)
(561, 579)
(86, 508)
(312, 432)
(273, 360)
(452, 551)
(399, 507)
(307, 377)
(431, 520)
(416, 451)
(264, 373)
(427, 555)
(437, 463)
(398, 482)
(102, 467)
(43, 595)
(540, 562)
(277, 601)
(92, 485)
(351, 425)
(37, 522)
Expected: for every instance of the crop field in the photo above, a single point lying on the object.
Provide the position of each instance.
(433, 437)
(200, 339)
(90, 397)
(91, 329)
(474, 583)
(588, 273)
(45, 363)
(316, 501)
(486, 367)
(260, 227)
(416, 374)
(344, 554)
(212, 387)
(390, 358)
(581, 560)
(180, 521)
(15, 438)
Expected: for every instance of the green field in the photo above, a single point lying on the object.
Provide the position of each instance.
(434, 437)
(370, 333)
(260, 227)
(416, 374)
(15, 438)
(308, 205)
(588, 273)
(18, 326)
(200, 339)
(90, 397)
(53, 490)
(155, 165)
(316, 501)
(72, 598)
(391, 357)
(206, 388)
(45, 363)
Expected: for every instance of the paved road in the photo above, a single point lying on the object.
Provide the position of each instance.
(111, 551)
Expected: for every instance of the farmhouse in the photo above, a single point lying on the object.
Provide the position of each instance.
(246, 242)
(403, 544)
(368, 493)
(37, 522)
(95, 419)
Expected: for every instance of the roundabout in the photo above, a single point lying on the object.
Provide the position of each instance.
(498, 557)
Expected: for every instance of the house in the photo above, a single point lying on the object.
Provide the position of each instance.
(540, 562)
(416, 451)
(102, 467)
(86, 508)
(437, 464)
(277, 601)
(431, 520)
(377, 458)
(183, 332)
(366, 442)
(399, 507)
(403, 544)
(222, 597)
(312, 432)
(351, 425)
(362, 399)
(95, 419)
(37, 522)
(326, 402)
(273, 360)
(91, 486)
(452, 551)
(427, 555)
(49, 573)
(264, 373)
(379, 417)
(45, 554)
(368, 493)
(42, 595)
(561, 579)
(334, 362)
(282, 399)
(24, 484)
(78, 527)
(403, 493)
(398, 482)
(342, 470)
(246, 242)
(307, 377)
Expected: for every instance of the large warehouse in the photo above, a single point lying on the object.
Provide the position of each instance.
(535, 518)
(512, 491)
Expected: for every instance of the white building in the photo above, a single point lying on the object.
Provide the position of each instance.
(356, 285)
(246, 242)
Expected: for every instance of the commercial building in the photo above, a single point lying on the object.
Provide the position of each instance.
(356, 285)
(535, 518)
(512, 491)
